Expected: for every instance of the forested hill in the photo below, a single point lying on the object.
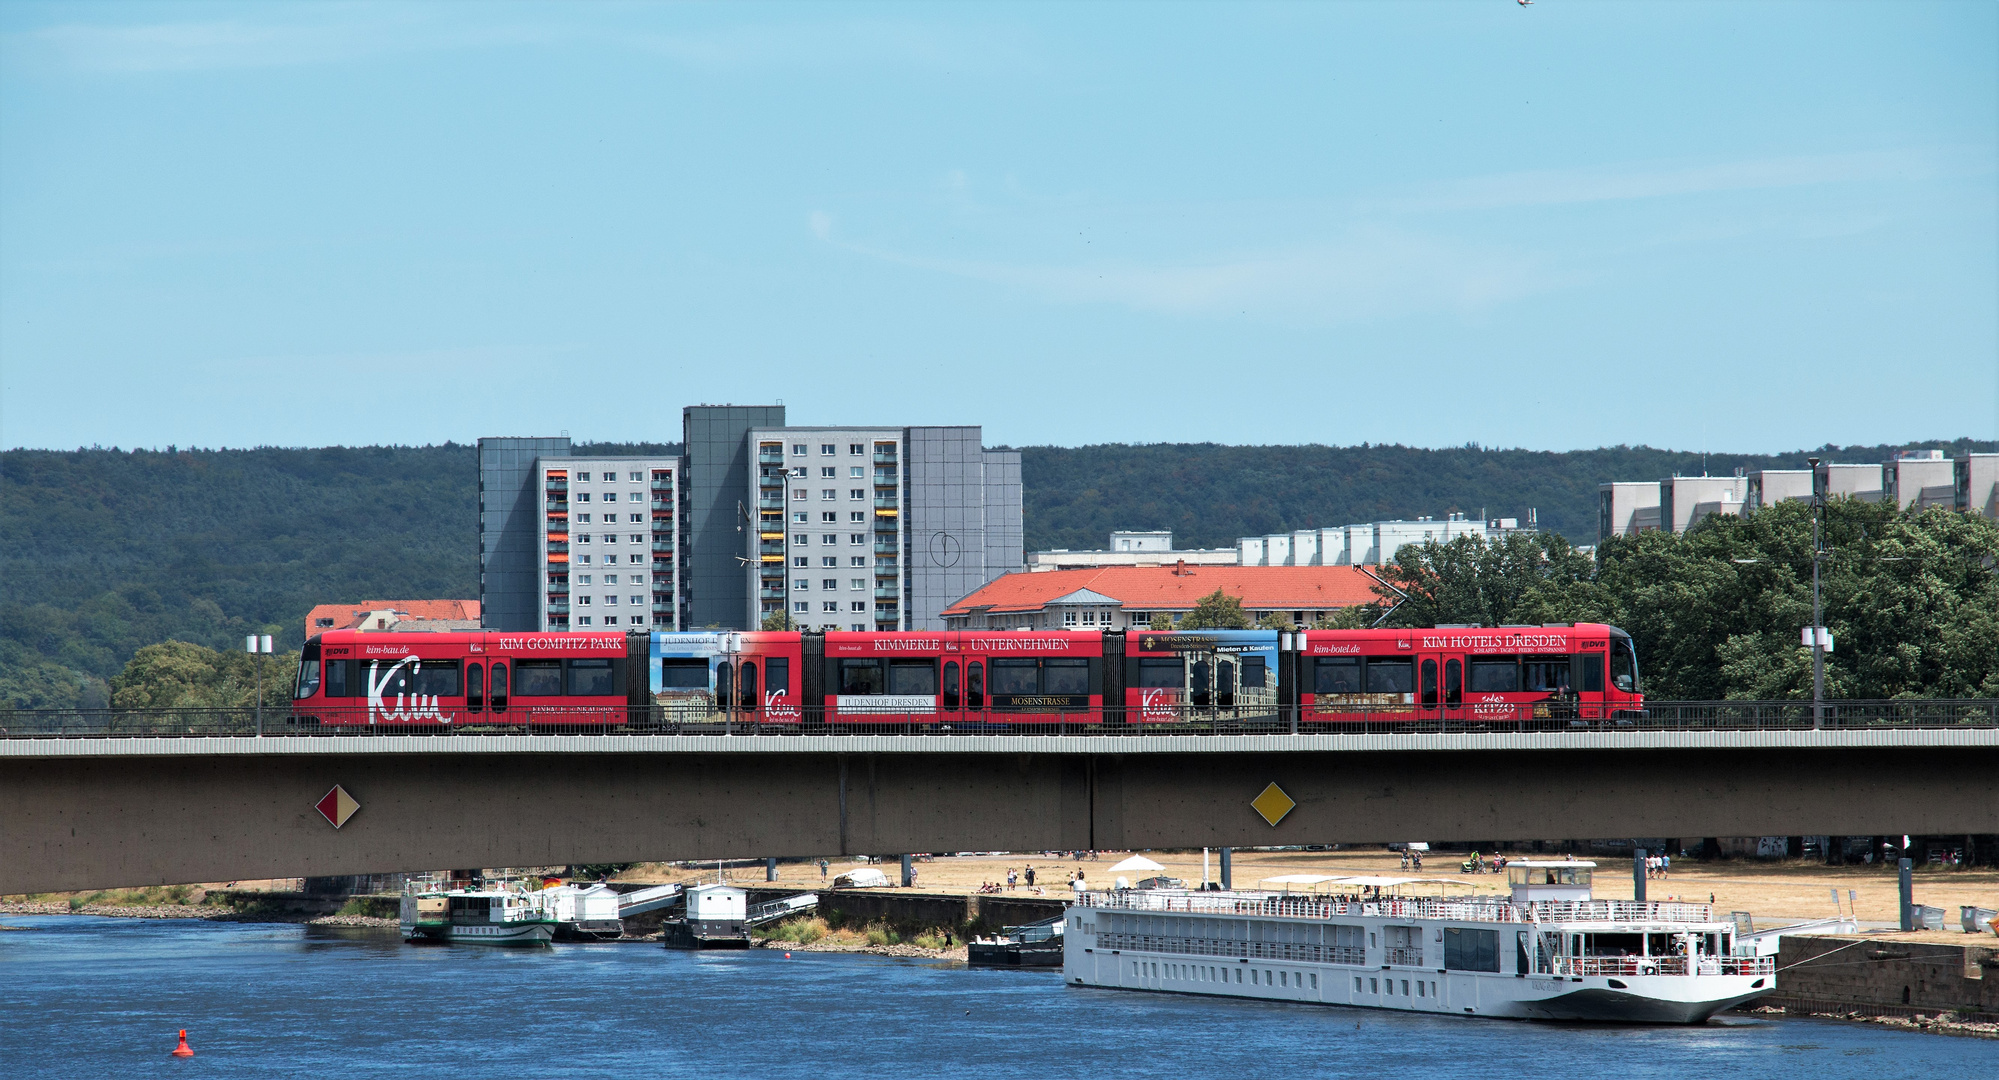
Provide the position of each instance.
(103, 551)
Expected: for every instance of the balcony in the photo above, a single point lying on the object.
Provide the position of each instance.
(771, 457)
(662, 562)
(771, 547)
(770, 502)
(885, 478)
(663, 504)
(662, 547)
(1406, 957)
(888, 592)
(887, 502)
(888, 458)
(558, 609)
(770, 594)
(558, 548)
(886, 615)
(558, 502)
(662, 609)
(887, 547)
(885, 568)
(557, 485)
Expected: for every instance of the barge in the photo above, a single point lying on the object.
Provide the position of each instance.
(1546, 951)
(476, 917)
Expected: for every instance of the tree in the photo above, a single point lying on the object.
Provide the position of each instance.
(1357, 617)
(1160, 621)
(182, 675)
(1274, 620)
(779, 620)
(1518, 578)
(1216, 611)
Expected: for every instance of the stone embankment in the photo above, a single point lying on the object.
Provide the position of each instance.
(1891, 979)
(192, 911)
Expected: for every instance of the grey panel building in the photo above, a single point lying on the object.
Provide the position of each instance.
(510, 533)
(719, 523)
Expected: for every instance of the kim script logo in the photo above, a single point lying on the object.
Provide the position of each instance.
(338, 806)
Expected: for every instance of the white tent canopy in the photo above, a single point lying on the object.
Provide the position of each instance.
(1302, 879)
(1136, 862)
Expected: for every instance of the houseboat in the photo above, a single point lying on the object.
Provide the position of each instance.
(476, 917)
(1546, 951)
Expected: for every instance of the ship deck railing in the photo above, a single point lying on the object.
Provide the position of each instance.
(1470, 909)
(1660, 965)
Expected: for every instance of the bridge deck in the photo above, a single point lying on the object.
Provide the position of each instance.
(309, 745)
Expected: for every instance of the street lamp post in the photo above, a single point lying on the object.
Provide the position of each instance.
(1818, 625)
(255, 644)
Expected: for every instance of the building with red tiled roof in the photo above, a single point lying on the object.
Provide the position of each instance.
(404, 615)
(1116, 597)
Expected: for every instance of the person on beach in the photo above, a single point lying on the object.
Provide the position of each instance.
(1012, 878)
(1030, 875)
(822, 869)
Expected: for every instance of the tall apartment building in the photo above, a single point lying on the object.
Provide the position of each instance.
(877, 528)
(1919, 479)
(1977, 484)
(572, 542)
(888, 525)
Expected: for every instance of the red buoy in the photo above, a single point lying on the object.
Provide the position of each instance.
(182, 1050)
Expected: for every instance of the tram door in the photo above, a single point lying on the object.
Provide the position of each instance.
(1440, 687)
(951, 693)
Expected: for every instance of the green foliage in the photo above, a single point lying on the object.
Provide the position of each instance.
(1216, 611)
(1160, 621)
(779, 620)
(1912, 599)
(1275, 620)
(181, 675)
(1357, 617)
(1209, 495)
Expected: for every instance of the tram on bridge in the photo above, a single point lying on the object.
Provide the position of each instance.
(1317, 680)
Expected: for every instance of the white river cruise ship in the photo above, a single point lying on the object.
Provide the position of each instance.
(1546, 952)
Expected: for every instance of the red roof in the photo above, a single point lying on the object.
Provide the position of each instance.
(347, 616)
(1163, 588)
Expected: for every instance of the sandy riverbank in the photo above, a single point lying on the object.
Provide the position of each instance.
(187, 911)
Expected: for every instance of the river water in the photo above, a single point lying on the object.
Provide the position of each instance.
(93, 998)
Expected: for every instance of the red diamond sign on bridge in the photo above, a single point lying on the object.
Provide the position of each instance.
(337, 806)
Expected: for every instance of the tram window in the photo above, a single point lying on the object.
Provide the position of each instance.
(751, 699)
(1252, 673)
(1336, 675)
(683, 674)
(1592, 664)
(859, 677)
(1545, 674)
(475, 687)
(1065, 676)
(339, 678)
(1158, 674)
(538, 678)
(777, 675)
(1199, 683)
(975, 685)
(591, 677)
(436, 678)
(951, 686)
(394, 679)
(499, 687)
(725, 685)
(1391, 676)
(1454, 682)
(1495, 675)
(912, 677)
(308, 679)
(1623, 665)
(1016, 677)
(1429, 691)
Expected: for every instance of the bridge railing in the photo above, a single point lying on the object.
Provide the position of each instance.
(1181, 720)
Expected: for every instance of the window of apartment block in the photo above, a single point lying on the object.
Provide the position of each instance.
(582, 579)
(830, 560)
(610, 579)
(1068, 618)
(828, 494)
(858, 560)
(802, 607)
(636, 496)
(857, 538)
(858, 517)
(829, 472)
(803, 584)
(582, 538)
(798, 493)
(829, 584)
(857, 493)
(857, 583)
(857, 448)
(830, 605)
(584, 601)
(582, 496)
(636, 478)
(635, 558)
(637, 519)
(635, 600)
(829, 517)
(582, 620)
(856, 472)
(802, 560)
(611, 601)
(829, 538)
(583, 476)
(859, 605)
(636, 538)
(800, 538)
(798, 448)
(583, 559)
(582, 519)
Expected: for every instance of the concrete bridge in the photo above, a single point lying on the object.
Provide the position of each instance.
(113, 812)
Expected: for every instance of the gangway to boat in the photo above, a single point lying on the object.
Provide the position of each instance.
(644, 900)
(778, 909)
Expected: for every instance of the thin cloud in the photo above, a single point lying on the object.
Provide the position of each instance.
(1571, 186)
(1368, 274)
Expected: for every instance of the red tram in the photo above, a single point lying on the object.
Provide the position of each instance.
(1585, 671)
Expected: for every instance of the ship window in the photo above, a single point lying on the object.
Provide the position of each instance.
(1471, 950)
(1391, 676)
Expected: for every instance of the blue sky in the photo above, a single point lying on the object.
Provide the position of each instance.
(1753, 226)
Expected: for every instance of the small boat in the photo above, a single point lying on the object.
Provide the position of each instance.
(583, 912)
(1032, 945)
(476, 917)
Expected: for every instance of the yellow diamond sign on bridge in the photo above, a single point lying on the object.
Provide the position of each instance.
(1273, 804)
